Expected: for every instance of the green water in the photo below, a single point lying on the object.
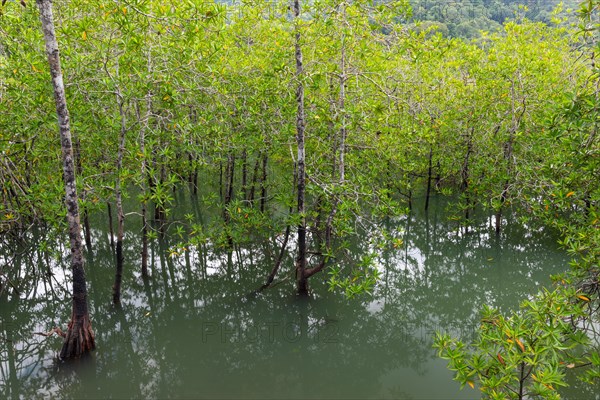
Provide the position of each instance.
(195, 330)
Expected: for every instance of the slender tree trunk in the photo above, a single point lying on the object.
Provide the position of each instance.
(86, 227)
(254, 179)
(244, 173)
(229, 178)
(522, 378)
(229, 181)
(301, 279)
(465, 174)
(119, 201)
(191, 162)
(275, 269)
(503, 195)
(263, 182)
(144, 168)
(159, 210)
(342, 101)
(438, 177)
(79, 339)
(429, 177)
(220, 179)
(110, 224)
(195, 177)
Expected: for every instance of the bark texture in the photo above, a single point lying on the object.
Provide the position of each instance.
(79, 339)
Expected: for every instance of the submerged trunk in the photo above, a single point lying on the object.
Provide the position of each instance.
(301, 278)
(79, 339)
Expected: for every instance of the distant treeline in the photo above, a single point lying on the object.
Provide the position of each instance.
(467, 18)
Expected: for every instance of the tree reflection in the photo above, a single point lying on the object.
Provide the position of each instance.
(196, 328)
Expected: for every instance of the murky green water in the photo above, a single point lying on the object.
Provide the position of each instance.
(193, 330)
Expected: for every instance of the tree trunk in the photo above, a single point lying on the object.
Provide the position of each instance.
(342, 102)
(110, 224)
(220, 179)
(86, 227)
(254, 180)
(429, 177)
(301, 279)
(244, 173)
(79, 339)
(263, 182)
(229, 179)
(464, 173)
(119, 201)
(144, 168)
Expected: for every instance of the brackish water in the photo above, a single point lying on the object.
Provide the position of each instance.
(195, 330)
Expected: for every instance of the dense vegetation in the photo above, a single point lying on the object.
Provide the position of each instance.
(205, 95)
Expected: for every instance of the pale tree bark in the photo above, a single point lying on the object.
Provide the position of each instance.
(79, 339)
(144, 168)
(119, 201)
(301, 278)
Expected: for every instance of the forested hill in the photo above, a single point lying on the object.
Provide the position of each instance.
(467, 18)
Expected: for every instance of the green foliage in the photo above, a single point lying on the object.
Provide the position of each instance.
(509, 120)
(526, 354)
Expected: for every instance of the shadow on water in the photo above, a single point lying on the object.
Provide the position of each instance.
(192, 331)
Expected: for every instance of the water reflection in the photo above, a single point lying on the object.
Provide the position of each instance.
(197, 330)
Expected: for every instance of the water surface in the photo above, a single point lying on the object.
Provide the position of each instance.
(196, 330)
